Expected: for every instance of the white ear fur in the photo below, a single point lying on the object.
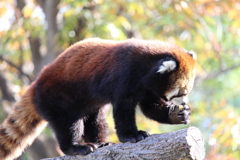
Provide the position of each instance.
(193, 54)
(167, 66)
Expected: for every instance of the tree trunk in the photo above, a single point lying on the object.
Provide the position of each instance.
(51, 11)
(4, 89)
(185, 144)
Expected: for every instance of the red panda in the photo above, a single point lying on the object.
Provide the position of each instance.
(70, 94)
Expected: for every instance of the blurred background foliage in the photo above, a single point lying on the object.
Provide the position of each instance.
(34, 32)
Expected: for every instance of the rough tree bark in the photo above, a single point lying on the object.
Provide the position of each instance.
(185, 144)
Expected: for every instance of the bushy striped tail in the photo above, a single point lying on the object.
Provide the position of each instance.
(21, 127)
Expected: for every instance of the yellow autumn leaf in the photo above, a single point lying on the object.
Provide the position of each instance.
(189, 11)
(69, 13)
(1, 33)
(2, 10)
(27, 12)
(15, 45)
(139, 9)
(233, 14)
(20, 31)
(123, 21)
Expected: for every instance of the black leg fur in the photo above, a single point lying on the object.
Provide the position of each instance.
(65, 115)
(96, 128)
(63, 129)
(125, 124)
(153, 108)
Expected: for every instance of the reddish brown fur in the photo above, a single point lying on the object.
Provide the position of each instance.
(77, 55)
(82, 53)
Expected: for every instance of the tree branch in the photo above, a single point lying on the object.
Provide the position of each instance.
(218, 73)
(36, 54)
(209, 76)
(184, 144)
(4, 87)
(51, 11)
(16, 67)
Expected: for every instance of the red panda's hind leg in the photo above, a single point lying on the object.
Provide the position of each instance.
(95, 127)
(69, 132)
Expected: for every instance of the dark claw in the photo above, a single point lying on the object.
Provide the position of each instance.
(82, 149)
(105, 144)
(141, 135)
(92, 145)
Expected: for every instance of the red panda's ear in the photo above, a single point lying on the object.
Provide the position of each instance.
(193, 54)
(167, 66)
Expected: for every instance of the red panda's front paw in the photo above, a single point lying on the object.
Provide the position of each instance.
(179, 114)
(82, 149)
(133, 138)
(184, 113)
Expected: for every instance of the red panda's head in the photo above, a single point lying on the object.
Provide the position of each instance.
(181, 71)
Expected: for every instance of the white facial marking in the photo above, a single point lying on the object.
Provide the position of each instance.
(172, 93)
(167, 66)
(180, 100)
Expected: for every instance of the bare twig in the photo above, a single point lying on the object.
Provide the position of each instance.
(19, 69)
(223, 71)
(213, 75)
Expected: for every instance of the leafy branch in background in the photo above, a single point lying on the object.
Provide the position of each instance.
(18, 68)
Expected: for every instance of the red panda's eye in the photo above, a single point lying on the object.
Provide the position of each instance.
(165, 98)
(181, 95)
(177, 96)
